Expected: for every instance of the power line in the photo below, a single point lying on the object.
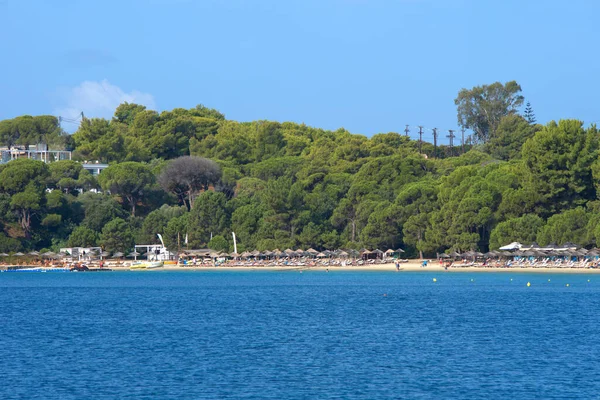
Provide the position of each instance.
(434, 142)
(451, 137)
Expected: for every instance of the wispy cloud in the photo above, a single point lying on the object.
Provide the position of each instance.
(98, 99)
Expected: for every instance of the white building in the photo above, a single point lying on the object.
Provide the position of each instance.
(155, 252)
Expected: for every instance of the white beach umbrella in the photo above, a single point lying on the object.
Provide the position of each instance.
(512, 246)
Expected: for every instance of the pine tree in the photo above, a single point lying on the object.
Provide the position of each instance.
(529, 115)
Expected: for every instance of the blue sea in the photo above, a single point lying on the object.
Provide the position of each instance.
(292, 335)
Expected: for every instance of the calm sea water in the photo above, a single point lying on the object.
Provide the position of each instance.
(291, 335)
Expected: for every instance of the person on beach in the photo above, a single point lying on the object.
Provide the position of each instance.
(397, 263)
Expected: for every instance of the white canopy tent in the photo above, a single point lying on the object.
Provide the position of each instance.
(512, 246)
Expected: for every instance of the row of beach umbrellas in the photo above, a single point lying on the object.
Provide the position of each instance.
(525, 253)
(50, 254)
(289, 253)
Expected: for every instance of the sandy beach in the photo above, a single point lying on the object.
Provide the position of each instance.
(411, 266)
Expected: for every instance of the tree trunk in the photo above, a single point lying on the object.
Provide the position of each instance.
(132, 201)
(353, 222)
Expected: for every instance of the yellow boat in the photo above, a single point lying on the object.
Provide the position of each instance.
(147, 265)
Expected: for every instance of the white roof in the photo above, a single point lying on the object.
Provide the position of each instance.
(512, 246)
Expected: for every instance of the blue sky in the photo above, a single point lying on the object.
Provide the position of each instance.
(369, 66)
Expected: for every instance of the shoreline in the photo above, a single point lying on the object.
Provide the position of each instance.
(411, 266)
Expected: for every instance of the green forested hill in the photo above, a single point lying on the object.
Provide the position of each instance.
(288, 185)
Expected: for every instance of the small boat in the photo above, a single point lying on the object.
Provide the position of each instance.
(85, 268)
(155, 264)
(147, 265)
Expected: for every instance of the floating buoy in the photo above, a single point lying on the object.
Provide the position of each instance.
(435, 280)
(511, 279)
(472, 280)
(385, 295)
(548, 280)
(528, 284)
(567, 285)
(588, 280)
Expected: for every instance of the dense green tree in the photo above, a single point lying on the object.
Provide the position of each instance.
(208, 218)
(568, 226)
(9, 244)
(482, 107)
(559, 160)
(26, 204)
(512, 132)
(126, 112)
(415, 203)
(219, 243)
(529, 114)
(117, 236)
(187, 176)
(130, 180)
(83, 237)
(20, 174)
(156, 222)
(99, 209)
(176, 231)
(522, 229)
(280, 185)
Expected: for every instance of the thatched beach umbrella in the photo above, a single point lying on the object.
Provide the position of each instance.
(312, 251)
(321, 255)
(34, 253)
(443, 255)
(3, 255)
(353, 253)
(18, 254)
(454, 254)
(118, 254)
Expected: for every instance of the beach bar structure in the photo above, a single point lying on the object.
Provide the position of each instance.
(81, 253)
(155, 252)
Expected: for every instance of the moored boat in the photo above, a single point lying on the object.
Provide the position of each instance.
(147, 265)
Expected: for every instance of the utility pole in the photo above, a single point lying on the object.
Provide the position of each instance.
(462, 140)
(420, 138)
(451, 137)
(434, 142)
(406, 130)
